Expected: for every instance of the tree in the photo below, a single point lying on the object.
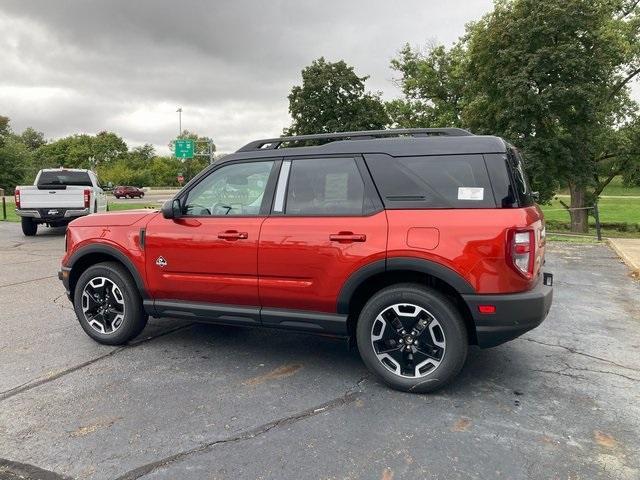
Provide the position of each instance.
(433, 83)
(81, 151)
(32, 139)
(332, 98)
(14, 156)
(552, 77)
(4, 129)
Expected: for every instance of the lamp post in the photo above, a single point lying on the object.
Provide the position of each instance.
(179, 111)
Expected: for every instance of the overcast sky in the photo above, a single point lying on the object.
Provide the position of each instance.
(125, 66)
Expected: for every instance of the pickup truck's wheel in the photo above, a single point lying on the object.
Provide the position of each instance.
(412, 337)
(108, 305)
(29, 227)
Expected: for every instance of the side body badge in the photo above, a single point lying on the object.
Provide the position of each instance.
(161, 262)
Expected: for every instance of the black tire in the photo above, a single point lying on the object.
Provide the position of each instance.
(451, 326)
(29, 227)
(135, 318)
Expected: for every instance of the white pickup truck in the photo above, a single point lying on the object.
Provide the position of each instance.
(57, 196)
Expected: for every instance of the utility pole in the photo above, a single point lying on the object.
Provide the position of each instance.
(179, 110)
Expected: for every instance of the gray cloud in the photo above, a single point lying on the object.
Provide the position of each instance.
(84, 66)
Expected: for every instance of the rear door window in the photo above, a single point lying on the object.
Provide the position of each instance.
(325, 187)
(448, 181)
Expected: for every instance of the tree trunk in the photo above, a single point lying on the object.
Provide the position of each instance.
(579, 218)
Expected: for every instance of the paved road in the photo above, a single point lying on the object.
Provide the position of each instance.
(149, 198)
(195, 401)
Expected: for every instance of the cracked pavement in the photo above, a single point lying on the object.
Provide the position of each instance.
(199, 401)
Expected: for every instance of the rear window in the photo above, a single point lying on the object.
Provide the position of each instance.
(64, 177)
(449, 181)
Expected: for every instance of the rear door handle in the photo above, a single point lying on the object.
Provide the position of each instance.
(233, 235)
(347, 237)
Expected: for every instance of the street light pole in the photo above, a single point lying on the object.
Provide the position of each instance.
(179, 110)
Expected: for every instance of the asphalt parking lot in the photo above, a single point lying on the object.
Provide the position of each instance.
(207, 402)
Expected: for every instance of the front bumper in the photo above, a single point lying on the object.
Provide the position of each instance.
(63, 276)
(515, 313)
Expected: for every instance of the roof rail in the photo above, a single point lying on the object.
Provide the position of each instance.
(275, 143)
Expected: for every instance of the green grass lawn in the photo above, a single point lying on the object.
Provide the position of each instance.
(620, 217)
(611, 210)
(615, 188)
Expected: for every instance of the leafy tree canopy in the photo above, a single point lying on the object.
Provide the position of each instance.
(332, 98)
(552, 77)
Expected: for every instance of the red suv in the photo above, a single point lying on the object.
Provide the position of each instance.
(128, 191)
(413, 243)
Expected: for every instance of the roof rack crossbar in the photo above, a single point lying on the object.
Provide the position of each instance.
(275, 143)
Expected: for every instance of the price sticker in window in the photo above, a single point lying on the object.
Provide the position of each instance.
(471, 193)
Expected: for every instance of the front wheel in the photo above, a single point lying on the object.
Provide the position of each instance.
(412, 337)
(108, 305)
(29, 227)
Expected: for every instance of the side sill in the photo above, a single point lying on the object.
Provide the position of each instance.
(296, 320)
(206, 312)
(305, 321)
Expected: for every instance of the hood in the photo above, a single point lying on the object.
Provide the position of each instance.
(114, 219)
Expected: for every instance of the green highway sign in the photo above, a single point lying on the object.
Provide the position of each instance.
(184, 148)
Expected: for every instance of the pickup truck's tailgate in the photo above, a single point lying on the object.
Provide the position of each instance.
(70, 197)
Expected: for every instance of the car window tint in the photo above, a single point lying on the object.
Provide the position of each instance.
(236, 189)
(64, 177)
(443, 181)
(325, 186)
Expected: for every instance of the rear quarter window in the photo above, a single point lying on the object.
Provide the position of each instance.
(447, 181)
(520, 180)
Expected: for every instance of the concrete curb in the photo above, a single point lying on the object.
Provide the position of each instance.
(629, 258)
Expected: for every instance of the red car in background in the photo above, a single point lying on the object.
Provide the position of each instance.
(128, 191)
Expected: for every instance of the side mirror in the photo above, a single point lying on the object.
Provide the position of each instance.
(172, 209)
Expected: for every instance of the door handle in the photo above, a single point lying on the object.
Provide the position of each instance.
(233, 235)
(347, 237)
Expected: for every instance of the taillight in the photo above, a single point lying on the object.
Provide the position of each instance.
(87, 197)
(521, 255)
(17, 198)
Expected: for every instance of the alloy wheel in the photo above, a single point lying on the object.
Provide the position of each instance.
(408, 340)
(103, 305)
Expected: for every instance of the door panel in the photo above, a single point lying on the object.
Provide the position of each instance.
(201, 266)
(300, 267)
(210, 253)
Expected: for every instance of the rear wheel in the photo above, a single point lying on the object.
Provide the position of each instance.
(29, 227)
(412, 337)
(108, 305)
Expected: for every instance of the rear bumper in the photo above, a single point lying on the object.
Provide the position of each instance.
(42, 214)
(515, 313)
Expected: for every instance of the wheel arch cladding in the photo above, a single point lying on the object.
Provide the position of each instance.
(94, 254)
(371, 278)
